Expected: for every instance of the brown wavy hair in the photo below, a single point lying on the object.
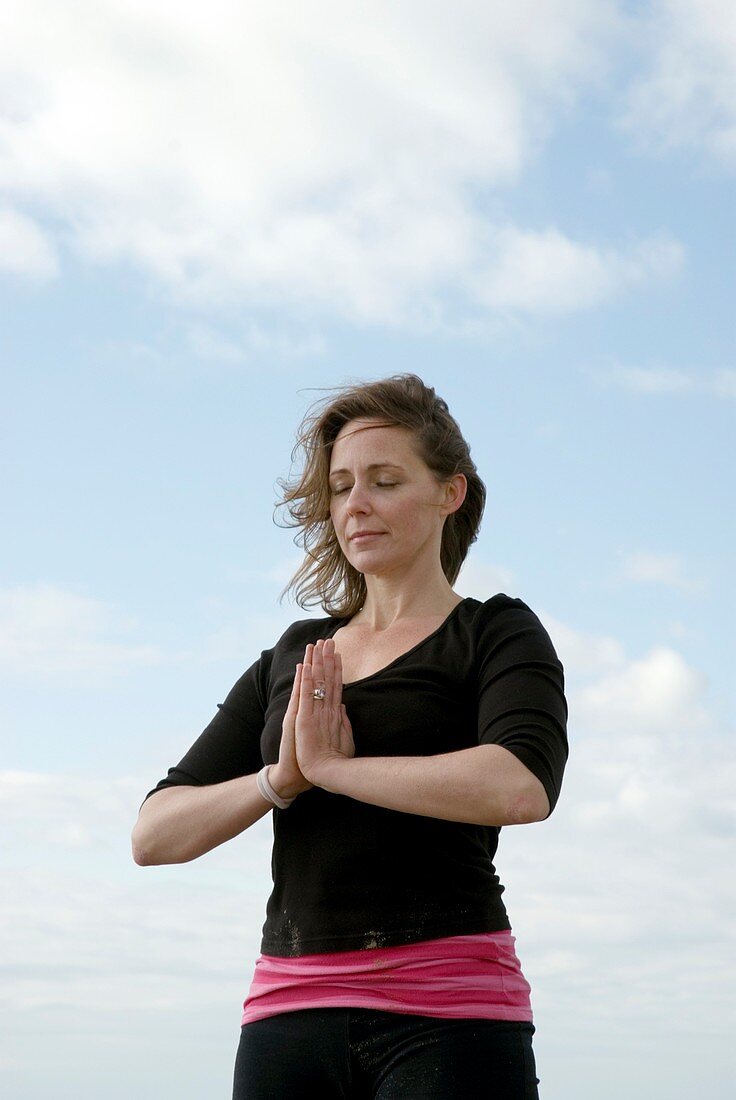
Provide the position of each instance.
(325, 576)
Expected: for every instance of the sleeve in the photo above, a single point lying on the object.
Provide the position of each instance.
(230, 746)
(521, 693)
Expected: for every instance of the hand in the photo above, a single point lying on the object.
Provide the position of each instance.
(285, 777)
(323, 730)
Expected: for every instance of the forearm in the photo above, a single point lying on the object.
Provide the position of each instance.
(178, 824)
(484, 785)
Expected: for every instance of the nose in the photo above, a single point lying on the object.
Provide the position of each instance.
(357, 501)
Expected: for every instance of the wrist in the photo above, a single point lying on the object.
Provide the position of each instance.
(284, 787)
(325, 771)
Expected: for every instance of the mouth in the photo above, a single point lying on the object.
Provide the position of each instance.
(365, 536)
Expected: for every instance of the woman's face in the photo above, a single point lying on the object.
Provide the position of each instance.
(387, 508)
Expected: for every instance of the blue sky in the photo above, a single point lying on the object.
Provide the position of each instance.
(206, 218)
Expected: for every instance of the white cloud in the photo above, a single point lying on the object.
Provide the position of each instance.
(283, 344)
(24, 248)
(209, 344)
(654, 379)
(546, 272)
(45, 629)
(589, 655)
(483, 580)
(324, 157)
(724, 384)
(664, 569)
(277, 574)
(642, 699)
(688, 95)
(661, 379)
(646, 698)
(619, 899)
(77, 906)
(206, 343)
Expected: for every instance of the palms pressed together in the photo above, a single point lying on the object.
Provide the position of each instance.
(315, 731)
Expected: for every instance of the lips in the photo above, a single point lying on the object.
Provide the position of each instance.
(363, 535)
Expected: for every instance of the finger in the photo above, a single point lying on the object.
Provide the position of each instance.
(294, 697)
(337, 681)
(328, 658)
(318, 668)
(306, 688)
(318, 664)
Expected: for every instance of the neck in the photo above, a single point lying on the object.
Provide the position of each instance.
(388, 604)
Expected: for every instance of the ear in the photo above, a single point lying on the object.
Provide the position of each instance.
(456, 490)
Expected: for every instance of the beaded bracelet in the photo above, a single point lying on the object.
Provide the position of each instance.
(267, 790)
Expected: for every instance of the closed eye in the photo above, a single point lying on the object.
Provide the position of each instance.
(339, 489)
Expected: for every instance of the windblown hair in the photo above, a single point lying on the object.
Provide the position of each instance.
(326, 577)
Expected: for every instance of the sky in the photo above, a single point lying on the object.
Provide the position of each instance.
(209, 215)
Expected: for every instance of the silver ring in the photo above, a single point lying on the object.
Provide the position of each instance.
(319, 692)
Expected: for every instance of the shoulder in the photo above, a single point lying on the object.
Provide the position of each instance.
(497, 610)
(504, 618)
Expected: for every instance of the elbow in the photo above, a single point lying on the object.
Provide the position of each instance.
(144, 853)
(528, 805)
(150, 850)
(141, 855)
(148, 840)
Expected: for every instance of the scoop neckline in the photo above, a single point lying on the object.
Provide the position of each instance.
(408, 653)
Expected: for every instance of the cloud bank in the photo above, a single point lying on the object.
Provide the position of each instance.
(329, 158)
(686, 97)
(46, 629)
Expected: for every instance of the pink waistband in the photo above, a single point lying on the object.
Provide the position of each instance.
(453, 977)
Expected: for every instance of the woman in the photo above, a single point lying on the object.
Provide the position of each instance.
(391, 740)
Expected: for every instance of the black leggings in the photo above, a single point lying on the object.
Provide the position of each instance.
(364, 1054)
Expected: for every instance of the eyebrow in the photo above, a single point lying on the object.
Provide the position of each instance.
(373, 466)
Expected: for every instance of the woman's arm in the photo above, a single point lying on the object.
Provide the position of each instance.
(178, 824)
(485, 785)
